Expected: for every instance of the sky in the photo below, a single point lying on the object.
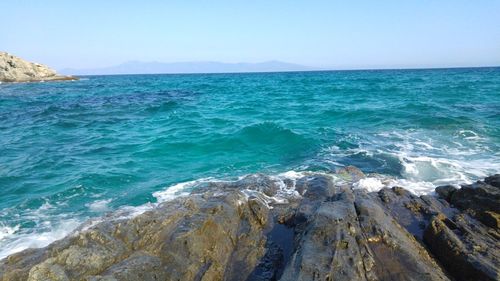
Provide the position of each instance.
(325, 34)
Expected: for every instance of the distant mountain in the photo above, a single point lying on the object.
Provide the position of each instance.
(137, 67)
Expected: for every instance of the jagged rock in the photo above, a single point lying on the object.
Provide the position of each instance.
(481, 200)
(329, 232)
(328, 249)
(457, 241)
(15, 69)
(491, 219)
(463, 247)
(446, 191)
(351, 173)
(493, 180)
(477, 197)
(187, 239)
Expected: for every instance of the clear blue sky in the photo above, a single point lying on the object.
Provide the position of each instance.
(331, 34)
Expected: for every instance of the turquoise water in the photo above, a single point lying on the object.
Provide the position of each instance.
(76, 150)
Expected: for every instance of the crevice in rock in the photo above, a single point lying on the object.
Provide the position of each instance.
(202, 271)
(279, 250)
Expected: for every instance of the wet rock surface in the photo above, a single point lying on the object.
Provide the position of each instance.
(15, 69)
(316, 227)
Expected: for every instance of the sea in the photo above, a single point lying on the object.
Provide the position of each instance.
(76, 151)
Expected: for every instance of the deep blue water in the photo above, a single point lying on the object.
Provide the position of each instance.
(76, 150)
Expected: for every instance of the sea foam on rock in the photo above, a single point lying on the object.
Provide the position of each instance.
(327, 230)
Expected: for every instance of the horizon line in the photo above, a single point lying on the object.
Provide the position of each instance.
(297, 71)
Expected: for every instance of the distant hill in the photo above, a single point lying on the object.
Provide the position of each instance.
(137, 67)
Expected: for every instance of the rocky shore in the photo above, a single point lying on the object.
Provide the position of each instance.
(15, 69)
(316, 227)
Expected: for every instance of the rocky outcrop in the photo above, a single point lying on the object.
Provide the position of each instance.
(244, 230)
(480, 200)
(15, 69)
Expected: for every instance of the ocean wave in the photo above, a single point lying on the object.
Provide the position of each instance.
(269, 132)
(19, 240)
(180, 189)
(370, 184)
(6, 231)
(161, 107)
(99, 205)
(38, 222)
(423, 160)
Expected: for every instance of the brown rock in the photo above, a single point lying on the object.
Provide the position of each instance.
(467, 253)
(331, 232)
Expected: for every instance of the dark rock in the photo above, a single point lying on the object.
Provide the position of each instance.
(446, 191)
(397, 254)
(490, 219)
(315, 187)
(481, 200)
(453, 237)
(463, 248)
(328, 248)
(279, 247)
(400, 191)
(477, 197)
(493, 180)
(258, 182)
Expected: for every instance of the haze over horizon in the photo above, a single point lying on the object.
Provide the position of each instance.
(326, 35)
(138, 67)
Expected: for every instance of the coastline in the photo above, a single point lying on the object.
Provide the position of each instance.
(47, 79)
(17, 70)
(288, 228)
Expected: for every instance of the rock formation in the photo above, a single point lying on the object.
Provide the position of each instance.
(242, 230)
(14, 69)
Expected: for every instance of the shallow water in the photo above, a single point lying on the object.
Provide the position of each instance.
(75, 150)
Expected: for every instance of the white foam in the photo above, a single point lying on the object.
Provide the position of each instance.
(23, 241)
(417, 188)
(284, 191)
(429, 159)
(292, 175)
(45, 206)
(441, 171)
(371, 184)
(7, 231)
(177, 190)
(469, 135)
(99, 205)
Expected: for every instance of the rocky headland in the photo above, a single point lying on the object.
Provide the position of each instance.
(316, 227)
(15, 69)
